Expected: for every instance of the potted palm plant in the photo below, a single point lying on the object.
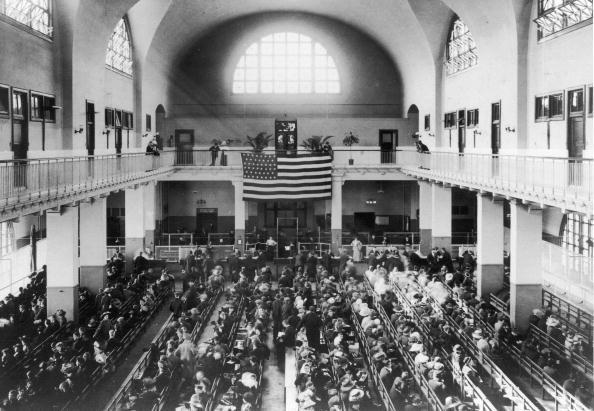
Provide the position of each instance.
(317, 144)
(348, 141)
(260, 142)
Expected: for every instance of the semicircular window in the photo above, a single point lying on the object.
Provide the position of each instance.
(286, 63)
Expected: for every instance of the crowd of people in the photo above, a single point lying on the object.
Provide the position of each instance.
(82, 351)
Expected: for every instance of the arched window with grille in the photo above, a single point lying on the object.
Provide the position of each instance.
(119, 49)
(461, 51)
(286, 63)
(35, 14)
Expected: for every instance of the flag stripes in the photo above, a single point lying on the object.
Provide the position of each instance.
(268, 177)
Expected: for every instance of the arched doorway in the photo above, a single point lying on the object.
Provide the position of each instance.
(413, 119)
(160, 127)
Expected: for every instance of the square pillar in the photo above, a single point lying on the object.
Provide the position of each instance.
(489, 245)
(240, 214)
(62, 261)
(425, 204)
(336, 214)
(525, 263)
(134, 223)
(441, 216)
(149, 198)
(93, 244)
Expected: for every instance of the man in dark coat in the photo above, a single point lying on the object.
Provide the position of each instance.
(312, 323)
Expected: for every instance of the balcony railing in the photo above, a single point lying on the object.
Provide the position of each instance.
(23, 181)
(561, 181)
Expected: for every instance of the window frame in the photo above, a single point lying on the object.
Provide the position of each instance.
(20, 114)
(465, 47)
(119, 53)
(127, 120)
(450, 120)
(474, 115)
(286, 63)
(46, 99)
(109, 115)
(6, 114)
(29, 27)
(549, 116)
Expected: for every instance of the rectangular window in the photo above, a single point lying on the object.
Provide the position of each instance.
(589, 101)
(557, 15)
(35, 14)
(427, 122)
(4, 101)
(17, 104)
(450, 120)
(127, 120)
(117, 118)
(42, 108)
(108, 117)
(556, 106)
(549, 107)
(472, 118)
(148, 122)
(576, 101)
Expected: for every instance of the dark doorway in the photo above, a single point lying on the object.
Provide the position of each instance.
(160, 126)
(461, 130)
(90, 128)
(184, 144)
(364, 222)
(495, 127)
(206, 220)
(575, 124)
(20, 124)
(388, 141)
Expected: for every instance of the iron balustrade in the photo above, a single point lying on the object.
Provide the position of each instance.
(24, 181)
(567, 181)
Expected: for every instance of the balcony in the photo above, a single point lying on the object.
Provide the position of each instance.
(37, 184)
(32, 185)
(566, 183)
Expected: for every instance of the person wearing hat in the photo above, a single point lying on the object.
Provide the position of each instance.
(248, 401)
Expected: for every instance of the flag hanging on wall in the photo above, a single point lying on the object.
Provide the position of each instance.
(268, 177)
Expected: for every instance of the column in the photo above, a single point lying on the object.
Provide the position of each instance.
(93, 243)
(336, 214)
(149, 194)
(441, 216)
(489, 245)
(134, 225)
(525, 263)
(425, 196)
(62, 261)
(240, 214)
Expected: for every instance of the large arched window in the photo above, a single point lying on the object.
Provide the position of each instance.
(119, 49)
(286, 63)
(461, 52)
(35, 14)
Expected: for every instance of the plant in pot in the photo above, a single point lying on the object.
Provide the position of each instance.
(260, 142)
(348, 141)
(318, 145)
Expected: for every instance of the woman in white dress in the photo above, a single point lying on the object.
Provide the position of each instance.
(357, 246)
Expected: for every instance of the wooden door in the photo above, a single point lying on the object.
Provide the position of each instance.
(388, 141)
(461, 130)
(495, 127)
(575, 125)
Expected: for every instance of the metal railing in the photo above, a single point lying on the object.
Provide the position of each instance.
(186, 239)
(567, 180)
(23, 181)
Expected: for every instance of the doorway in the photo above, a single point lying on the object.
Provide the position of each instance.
(388, 141)
(461, 130)
(184, 143)
(206, 220)
(20, 125)
(160, 127)
(90, 109)
(575, 124)
(495, 127)
(364, 222)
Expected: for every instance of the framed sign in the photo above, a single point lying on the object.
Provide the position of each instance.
(285, 136)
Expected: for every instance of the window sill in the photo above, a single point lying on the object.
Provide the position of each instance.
(26, 28)
(121, 73)
(544, 120)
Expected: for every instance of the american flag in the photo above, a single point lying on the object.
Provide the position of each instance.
(268, 177)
